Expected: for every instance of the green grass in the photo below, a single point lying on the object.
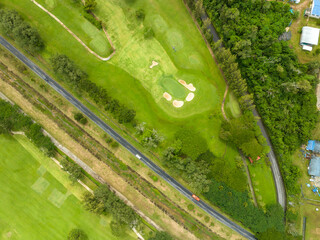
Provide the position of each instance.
(262, 181)
(231, 106)
(88, 33)
(37, 197)
(128, 78)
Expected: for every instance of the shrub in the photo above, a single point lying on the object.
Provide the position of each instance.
(93, 20)
(77, 234)
(190, 207)
(80, 118)
(148, 33)
(140, 15)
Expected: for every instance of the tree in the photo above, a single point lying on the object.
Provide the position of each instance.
(271, 234)
(148, 33)
(117, 229)
(80, 118)
(90, 5)
(77, 234)
(161, 236)
(199, 10)
(140, 15)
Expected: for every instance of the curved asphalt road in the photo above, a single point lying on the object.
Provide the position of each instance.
(123, 142)
(280, 189)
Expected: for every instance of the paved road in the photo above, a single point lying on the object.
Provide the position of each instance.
(281, 192)
(124, 142)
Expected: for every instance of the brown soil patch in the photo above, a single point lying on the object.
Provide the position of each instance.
(190, 97)
(188, 86)
(177, 103)
(167, 96)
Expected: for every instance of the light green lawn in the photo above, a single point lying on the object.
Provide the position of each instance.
(37, 198)
(88, 33)
(231, 106)
(128, 78)
(262, 181)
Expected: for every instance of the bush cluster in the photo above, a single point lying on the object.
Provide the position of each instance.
(14, 26)
(78, 79)
(12, 119)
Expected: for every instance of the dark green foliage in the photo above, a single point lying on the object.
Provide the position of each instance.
(78, 79)
(140, 15)
(77, 234)
(161, 236)
(190, 207)
(11, 119)
(80, 118)
(239, 206)
(93, 20)
(12, 24)
(89, 5)
(106, 202)
(117, 229)
(74, 170)
(193, 144)
(114, 144)
(148, 33)
(280, 84)
(271, 234)
(241, 132)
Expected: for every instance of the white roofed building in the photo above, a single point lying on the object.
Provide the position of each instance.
(309, 37)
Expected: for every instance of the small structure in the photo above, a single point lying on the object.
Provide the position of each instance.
(315, 9)
(258, 158)
(314, 167)
(313, 146)
(309, 37)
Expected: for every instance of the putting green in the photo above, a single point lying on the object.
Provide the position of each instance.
(173, 87)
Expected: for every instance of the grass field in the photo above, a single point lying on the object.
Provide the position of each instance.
(38, 196)
(262, 181)
(202, 114)
(127, 76)
(88, 33)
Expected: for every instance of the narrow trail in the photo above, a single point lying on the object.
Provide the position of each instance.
(76, 37)
(222, 105)
(249, 180)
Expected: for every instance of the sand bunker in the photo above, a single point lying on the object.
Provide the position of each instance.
(177, 104)
(190, 97)
(154, 63)
(188, 86)
(167, 96)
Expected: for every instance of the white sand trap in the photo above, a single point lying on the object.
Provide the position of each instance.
(188, 86)
(167, 96)
(190, 97)
(177, 103)
(154, 63)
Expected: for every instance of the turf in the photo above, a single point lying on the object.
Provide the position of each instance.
(34, 204)
(262, 181)
(231, 106)
(128, 78)
(88, 33)
(173, 87)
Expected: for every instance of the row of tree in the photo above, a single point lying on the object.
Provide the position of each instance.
(12, 119)
(281, 85)
(78, 79)
(14, 26)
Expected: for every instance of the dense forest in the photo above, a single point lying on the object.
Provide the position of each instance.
(283, 88)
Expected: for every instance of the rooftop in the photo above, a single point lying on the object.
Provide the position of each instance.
(309, 36)
(315, 8)
(314, 167)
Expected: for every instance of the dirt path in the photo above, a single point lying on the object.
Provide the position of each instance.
(76, 37)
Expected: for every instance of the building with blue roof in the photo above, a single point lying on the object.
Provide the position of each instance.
(314, 167)
(313, 146)
(315, 9)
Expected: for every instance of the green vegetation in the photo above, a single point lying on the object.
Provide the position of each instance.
(106, 202)
(12, 119)
(80, 118)
(161, 236)
(77, 234)
(47, 197)
(240, 207)
(14, 26)
(73, 169)
(272, 72)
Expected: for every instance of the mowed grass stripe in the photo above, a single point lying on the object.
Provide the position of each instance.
(29, 214)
